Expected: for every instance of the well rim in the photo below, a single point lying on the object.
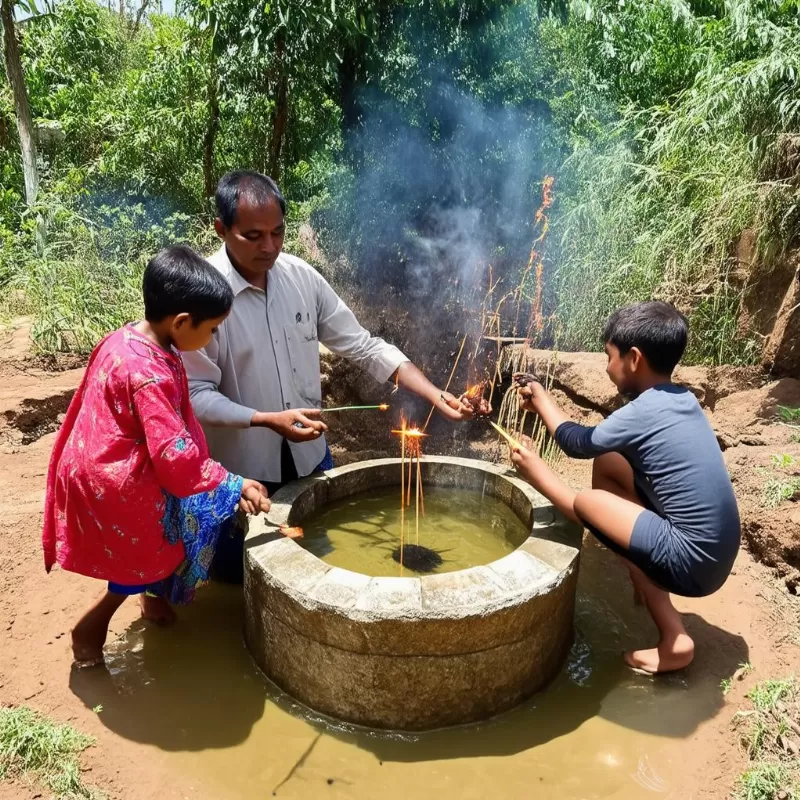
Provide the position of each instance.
(536, 567)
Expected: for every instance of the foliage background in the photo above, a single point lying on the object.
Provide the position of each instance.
(412, 138)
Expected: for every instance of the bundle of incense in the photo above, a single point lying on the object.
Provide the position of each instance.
(524, 378)
(510, 439)
(381, 407)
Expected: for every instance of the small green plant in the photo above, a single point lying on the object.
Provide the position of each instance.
(777, 490)
(34, 747)
(782, 461)
(765, 782)
(789, 415)
(795, 438)
(769, 737)
(725, 685)
(766, 695)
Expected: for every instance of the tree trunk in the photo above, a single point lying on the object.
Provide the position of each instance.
(280, 111)
(16, 80)
(209, 184)
(122, 8)
(139, 15)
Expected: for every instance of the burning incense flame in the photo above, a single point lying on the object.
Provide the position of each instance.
(413, 433)
(475, 391)
(410, 449)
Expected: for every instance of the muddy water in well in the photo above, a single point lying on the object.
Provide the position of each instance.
(599, 731)
(362, 532)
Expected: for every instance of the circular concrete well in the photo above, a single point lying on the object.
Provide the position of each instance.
(410, 653)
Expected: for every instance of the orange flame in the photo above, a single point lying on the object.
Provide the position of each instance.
(475, 391)
(384, 406)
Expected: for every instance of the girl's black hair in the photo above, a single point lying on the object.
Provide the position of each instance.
(255, 187)
(658, 329)
(179, 281)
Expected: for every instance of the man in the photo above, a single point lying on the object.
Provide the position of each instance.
(256, 387)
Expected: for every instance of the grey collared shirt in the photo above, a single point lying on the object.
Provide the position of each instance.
(265, 357)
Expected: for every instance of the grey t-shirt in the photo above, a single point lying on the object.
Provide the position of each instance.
(677, 466)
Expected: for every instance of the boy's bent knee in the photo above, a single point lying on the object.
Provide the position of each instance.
(611, 472)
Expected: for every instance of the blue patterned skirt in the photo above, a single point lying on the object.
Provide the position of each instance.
(197, 522)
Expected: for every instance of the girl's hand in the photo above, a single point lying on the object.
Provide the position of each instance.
(254, 498)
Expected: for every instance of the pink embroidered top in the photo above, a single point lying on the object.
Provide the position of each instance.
(129, 436)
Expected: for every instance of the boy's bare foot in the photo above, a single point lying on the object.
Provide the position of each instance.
(670, 655)
(157, 609)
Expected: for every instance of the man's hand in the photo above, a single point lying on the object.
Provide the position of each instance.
(254, 498)
(295, 424)
(458, 409)
(450, 407)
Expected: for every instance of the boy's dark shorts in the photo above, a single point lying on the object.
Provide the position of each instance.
(657, 549)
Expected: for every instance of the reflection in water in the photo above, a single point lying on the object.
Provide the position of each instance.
(599, 731)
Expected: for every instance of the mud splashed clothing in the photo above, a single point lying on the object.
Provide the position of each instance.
(130, 442)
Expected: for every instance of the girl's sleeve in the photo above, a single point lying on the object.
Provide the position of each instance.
(182, 468)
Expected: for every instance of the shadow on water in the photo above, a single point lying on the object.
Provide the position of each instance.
(194, 687)
(189, 687)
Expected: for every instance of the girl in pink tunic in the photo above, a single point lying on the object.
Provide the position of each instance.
(133, 497)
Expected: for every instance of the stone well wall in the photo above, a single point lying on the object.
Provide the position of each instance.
(410, 653)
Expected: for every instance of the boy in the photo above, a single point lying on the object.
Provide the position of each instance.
(661, 497)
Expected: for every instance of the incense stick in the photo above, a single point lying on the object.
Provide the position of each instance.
(402, 498)
(418, 488)
(510, 439)
(449, 380)
(382, 407)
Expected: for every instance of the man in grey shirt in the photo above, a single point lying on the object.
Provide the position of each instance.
(256, 387)
(661, 496)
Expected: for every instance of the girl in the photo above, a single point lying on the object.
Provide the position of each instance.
(130, 448)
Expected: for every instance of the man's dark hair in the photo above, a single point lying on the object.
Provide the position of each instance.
(253, 186)
(179, 281)
(658, 329)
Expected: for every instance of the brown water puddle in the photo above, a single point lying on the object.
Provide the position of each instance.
(599, 731)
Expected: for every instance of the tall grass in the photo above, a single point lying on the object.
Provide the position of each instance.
(655, 208)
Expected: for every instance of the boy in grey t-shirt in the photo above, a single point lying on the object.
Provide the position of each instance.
(661, 497)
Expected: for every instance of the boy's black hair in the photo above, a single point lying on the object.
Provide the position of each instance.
(658, 329)
(179, 281)
(255, 187)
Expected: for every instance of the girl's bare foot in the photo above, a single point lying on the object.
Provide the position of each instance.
(87, 645)
(89, 635)
(157, 609)
(671, 654)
